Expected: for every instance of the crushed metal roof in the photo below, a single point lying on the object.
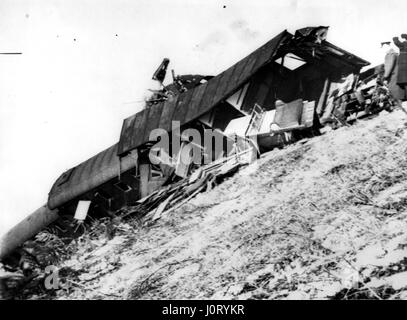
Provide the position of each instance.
(192, 104)
(195, 102)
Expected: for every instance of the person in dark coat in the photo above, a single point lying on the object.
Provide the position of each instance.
(391, 71)
(402, 60)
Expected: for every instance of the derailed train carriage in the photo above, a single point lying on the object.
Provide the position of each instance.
(299, 69)
(281, 92)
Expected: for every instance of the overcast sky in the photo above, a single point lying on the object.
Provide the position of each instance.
(86, 65)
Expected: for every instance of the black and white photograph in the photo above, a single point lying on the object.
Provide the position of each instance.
(203, 150)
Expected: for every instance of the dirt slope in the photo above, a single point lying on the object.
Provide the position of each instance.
(324, 218)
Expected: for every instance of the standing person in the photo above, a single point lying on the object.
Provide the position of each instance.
(402, 64)
(391, 69)
(395, 70)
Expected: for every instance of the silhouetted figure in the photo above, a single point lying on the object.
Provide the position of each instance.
(391, 73)
(402, 61)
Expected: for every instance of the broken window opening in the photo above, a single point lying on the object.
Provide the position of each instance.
(122, 186)
(291, 61)
(156, 171)
(102, 194)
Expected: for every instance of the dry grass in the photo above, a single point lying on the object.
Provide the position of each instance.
(295, 224)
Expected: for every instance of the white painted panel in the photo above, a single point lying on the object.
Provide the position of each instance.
(82, 210)
(238, 126)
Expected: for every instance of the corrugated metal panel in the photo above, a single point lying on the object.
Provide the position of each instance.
(138, 135)
(205, 104)
(195, 102)
(246, 72)
(127, 130)
(138, 127)
(154, 119)
(182, 106)
(235, 74)
(88, 175)
(166, 115)
(224, 79)
(226, 87)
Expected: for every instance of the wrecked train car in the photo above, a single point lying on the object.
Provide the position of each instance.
(275, 95)
(295, 70)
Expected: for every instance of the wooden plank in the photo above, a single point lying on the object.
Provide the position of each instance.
(197, 96)
(153, 120)
(179, 204)
(162, 207)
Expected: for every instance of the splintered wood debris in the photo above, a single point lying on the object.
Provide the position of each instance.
(165, 200)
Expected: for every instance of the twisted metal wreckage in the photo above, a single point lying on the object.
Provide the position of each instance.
(288, 89)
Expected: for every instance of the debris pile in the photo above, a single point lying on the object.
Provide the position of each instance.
(26, 275)
(165, 200)
(356, 97)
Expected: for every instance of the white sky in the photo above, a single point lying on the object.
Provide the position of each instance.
(62, 101)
